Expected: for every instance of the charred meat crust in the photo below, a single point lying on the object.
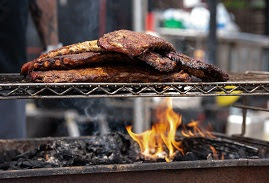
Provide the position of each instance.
(26, 68)
(87, 46)
(113, 73)
(133, 49)
(199, 69)
(133, 43)
(74, 61)
(157, 61)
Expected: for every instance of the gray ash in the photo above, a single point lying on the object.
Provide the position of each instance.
(112, 148)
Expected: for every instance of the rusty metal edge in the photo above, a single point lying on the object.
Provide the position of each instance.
(134, 167)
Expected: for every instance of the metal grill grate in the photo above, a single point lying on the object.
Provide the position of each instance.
(13, 86)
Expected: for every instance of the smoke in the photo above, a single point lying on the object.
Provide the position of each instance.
(78, 21)
(97, 116)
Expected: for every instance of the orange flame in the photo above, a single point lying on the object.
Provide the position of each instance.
(162, 134)
(215, 154)
(159, 142)
(196, 131)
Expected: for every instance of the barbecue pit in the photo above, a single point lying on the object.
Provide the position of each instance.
(235, 169)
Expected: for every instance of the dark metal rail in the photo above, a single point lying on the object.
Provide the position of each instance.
(251, 107)
(14, 86)
(139, 167)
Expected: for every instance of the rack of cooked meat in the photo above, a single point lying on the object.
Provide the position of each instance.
(117, 57)
(125, 64)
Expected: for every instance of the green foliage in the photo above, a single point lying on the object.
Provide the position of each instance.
(240, 4)
(235, 4)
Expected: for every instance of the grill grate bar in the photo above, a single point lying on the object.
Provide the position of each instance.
(13, 86)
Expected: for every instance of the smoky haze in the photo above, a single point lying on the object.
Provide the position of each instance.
(79, 20)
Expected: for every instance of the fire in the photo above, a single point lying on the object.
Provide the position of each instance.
(162, 134)
(159, 141)
(196, 131)
(215, 154)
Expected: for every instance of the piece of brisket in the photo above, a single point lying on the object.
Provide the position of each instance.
(159, 54)
(73, 61)
(109, 73)
(133, 43)
(199, 69)
(143, 53)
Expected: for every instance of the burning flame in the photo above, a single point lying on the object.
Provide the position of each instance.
(152, 141)
(196, 131)
(215, 153)
(159, 142)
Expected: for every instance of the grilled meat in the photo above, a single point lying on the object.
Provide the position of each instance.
(135, 50)
(27, 68)
(158, 53)
(133, 43)
(87, 58)
(199, 69)
(73, 61)
(108, 73)
(86, 46)
(163, 64)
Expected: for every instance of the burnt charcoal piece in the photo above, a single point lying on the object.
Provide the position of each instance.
(180, 158)
(109, 149)
(5, 165)
(28, 154)
(190, 156)
(35, 164)
(8, 155)
(241, 152)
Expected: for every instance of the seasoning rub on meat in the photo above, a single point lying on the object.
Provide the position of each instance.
(120, 56)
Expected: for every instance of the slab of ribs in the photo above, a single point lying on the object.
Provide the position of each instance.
(120, 56)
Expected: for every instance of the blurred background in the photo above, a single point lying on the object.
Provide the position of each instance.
(232, 34)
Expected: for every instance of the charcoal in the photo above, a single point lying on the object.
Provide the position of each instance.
(180, 158)
(28, 154)
(2, 157)
(160, 160)
(30, 164)
(116, 148)
(8, 155)
(190, 156)
(4, 165)
(242, 153)
(13, 166)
